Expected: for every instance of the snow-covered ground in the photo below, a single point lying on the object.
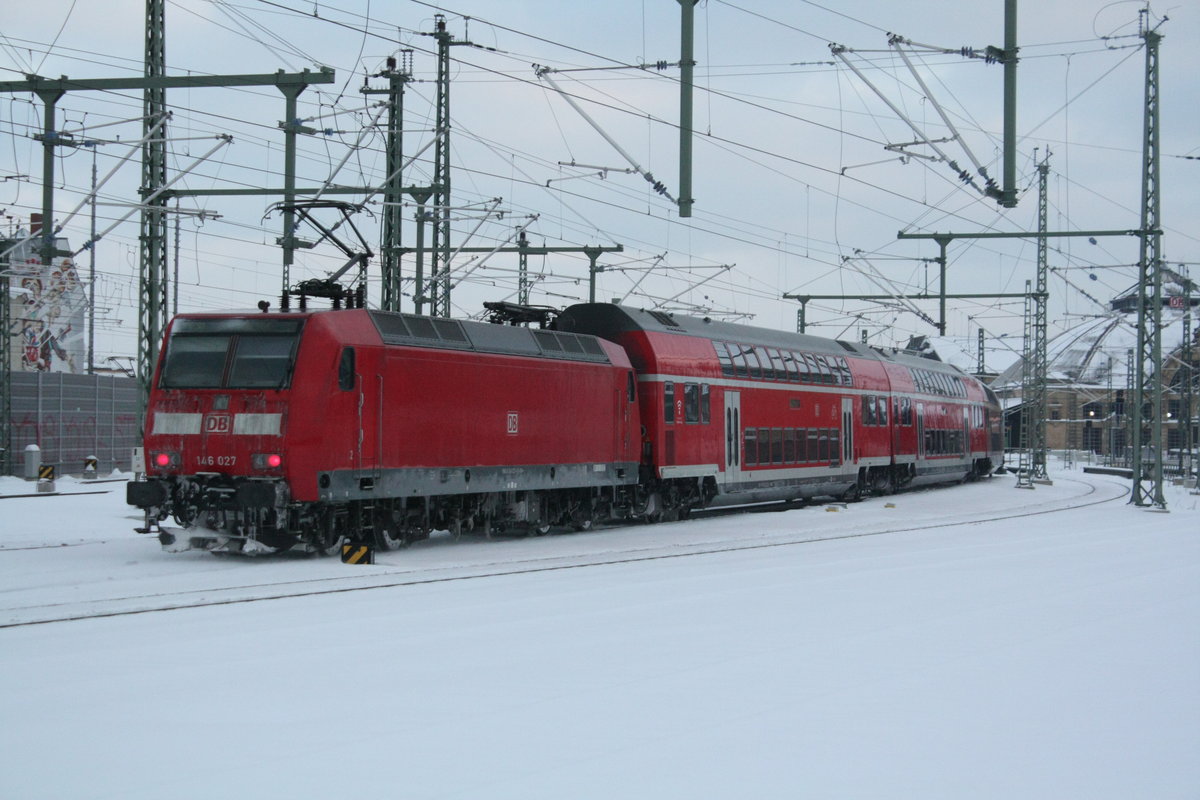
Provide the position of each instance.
(926, 653)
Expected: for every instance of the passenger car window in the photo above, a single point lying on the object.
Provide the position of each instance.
(691, 402)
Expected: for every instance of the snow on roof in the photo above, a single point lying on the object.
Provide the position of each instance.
(1097, 351)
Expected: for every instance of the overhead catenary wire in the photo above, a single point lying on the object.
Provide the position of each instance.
(738, 228)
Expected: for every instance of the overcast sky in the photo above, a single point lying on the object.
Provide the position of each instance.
(794, 189)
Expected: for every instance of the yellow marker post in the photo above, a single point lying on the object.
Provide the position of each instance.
(358, 554)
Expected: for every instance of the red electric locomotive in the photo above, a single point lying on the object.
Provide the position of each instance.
(268, 431)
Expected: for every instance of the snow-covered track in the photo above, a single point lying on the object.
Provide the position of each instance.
(396, 572)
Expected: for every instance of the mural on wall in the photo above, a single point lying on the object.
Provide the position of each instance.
(47, 311)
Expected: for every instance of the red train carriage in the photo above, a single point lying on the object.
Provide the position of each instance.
(267, 431)
(737, 414)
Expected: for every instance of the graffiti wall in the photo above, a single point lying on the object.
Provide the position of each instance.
(71, 417)
(47, 312)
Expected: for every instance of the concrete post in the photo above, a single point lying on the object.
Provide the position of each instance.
(33, 462)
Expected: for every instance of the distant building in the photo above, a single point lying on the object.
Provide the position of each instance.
(47, 309)
(1089, 381)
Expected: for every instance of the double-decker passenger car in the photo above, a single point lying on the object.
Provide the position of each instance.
(736, 414)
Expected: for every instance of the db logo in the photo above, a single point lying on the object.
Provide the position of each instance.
(218, 423)
(512, 423)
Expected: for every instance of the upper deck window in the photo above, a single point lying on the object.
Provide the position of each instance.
(253, 353)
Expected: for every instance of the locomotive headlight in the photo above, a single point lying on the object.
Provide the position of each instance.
(266, 460)
(165, 459)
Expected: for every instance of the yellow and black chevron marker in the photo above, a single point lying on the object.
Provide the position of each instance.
(358, 554)
(46, 472)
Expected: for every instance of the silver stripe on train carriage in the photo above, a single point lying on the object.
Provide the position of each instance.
(175, 423)
(257, 424)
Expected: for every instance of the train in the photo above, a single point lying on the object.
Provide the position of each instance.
(276, 430)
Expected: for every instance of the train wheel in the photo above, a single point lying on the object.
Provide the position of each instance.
(388, 535)
(332, 538)
(583, 517)
(332, 543)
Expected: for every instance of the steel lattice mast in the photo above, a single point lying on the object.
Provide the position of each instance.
(1037, 386)
(1025, 443)
(393, 192)
(439, 266)
(1147, 385)
(152, 286)
(5, 365)
(1189, 376)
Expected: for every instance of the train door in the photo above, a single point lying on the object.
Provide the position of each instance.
(966, 432)
(369, 401)
(733, 437)
(848, 431)
(920, 431)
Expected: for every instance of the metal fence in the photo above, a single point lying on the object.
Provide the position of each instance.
(71, 417)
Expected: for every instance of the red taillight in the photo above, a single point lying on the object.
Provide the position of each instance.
(162, 460)
(266, 460)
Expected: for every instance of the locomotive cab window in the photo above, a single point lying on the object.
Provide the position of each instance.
(261, 362)
(230, 353)
(194, 362)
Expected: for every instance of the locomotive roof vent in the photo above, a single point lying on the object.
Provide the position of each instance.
(408, 329)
